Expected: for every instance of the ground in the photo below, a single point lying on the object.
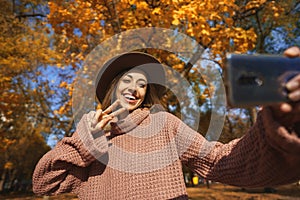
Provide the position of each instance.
(215, 192)
(225, 192)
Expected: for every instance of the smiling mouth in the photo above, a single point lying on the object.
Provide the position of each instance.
(130, 98)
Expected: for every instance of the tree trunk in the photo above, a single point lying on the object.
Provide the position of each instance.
(2, 180)
(252, 115)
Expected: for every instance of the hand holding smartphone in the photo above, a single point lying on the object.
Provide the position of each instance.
(253, 80)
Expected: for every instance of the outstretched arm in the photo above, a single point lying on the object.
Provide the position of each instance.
(268, 154)
(255, 160)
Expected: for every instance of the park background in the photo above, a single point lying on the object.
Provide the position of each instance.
(44, 45)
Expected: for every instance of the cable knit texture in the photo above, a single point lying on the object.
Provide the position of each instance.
(142, 159)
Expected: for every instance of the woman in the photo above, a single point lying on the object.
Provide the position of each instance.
(131, 150)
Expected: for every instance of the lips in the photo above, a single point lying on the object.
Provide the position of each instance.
(130, 98)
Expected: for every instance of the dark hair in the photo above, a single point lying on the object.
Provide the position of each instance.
(151, 98)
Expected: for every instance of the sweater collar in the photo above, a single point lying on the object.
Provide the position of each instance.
(130, 122)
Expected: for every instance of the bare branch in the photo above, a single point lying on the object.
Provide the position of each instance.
(30, 15)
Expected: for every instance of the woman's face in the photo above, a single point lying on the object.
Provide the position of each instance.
(131, 89)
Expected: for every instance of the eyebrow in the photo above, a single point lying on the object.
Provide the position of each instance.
(141, 79)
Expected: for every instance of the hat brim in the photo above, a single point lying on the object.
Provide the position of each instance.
(133, 60)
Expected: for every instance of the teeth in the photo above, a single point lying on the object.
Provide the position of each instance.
(130, 97)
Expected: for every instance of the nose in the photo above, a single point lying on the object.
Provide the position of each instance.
(132, 88)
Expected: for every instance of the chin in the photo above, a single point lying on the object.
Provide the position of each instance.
(131, 108)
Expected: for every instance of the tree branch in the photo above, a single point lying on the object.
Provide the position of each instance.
(30, 15)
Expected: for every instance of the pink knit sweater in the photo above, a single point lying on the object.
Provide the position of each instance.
(143, 159)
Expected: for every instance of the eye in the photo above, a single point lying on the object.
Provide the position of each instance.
(142, 85)
(126, 80)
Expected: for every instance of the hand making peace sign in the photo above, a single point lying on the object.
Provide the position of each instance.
(99, 120)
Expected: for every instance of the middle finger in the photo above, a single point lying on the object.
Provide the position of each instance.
(295, 95)
(294, 83)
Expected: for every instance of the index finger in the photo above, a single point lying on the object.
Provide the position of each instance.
(118, 112)
(111, 107)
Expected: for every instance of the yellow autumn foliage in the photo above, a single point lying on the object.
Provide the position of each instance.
(218, 26)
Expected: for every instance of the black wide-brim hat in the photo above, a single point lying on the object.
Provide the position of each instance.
(153, 69)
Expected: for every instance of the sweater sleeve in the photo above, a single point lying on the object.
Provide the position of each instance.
(65, 167)
(267, 155)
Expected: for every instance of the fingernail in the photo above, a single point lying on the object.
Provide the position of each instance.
(292, 85)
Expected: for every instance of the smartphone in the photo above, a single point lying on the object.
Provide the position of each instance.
(253, 80)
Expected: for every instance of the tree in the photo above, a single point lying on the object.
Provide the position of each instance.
(270, 18)
(25, 106)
